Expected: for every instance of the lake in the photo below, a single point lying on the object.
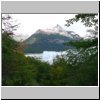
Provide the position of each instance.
(46, 56)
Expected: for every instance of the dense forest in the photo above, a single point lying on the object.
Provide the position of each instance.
(79, 69)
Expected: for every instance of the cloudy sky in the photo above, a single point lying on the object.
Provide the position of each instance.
(29, 23)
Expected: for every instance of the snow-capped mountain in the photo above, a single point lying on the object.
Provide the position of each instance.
(55, 29)
(58, 30)
(50, 40)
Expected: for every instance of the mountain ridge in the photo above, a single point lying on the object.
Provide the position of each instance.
(49, 40)
(58, 30)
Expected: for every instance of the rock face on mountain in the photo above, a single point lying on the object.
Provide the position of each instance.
(49, 40)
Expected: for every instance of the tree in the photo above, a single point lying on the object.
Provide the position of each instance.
(90, 43)
(86, 58)
(8, 24)
(89, 20)
(15, 68)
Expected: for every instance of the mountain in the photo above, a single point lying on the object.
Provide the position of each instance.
(49, 40)
(59, 30)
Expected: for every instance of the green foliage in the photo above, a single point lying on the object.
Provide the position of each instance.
(87, 19)
(83, 73)
(86, 58)
(16, 70)
(42, 71)
(83, 43)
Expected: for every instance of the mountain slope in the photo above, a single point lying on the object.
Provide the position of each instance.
(49, 40)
